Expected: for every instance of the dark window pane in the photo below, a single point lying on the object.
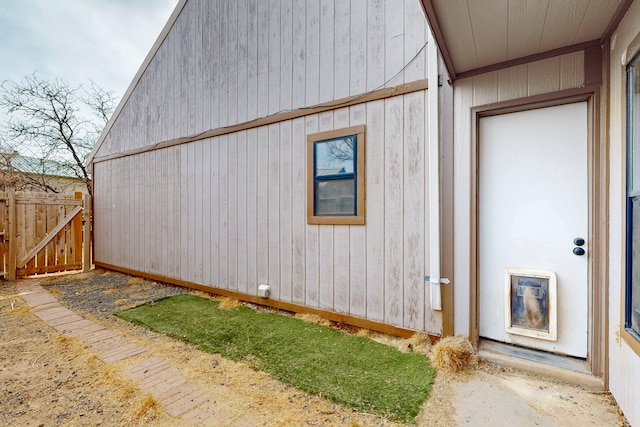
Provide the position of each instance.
(634, 288)
(335, 197)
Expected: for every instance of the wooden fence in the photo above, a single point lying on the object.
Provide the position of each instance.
(44, 233)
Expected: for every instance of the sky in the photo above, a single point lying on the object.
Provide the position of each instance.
(79, 40)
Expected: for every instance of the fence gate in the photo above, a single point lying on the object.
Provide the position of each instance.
(43, 233)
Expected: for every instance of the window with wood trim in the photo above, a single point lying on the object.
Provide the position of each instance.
(336, 187)
(632, 285)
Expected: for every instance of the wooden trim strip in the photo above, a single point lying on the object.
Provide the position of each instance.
(282, 305)
(33, 252)
(279, 117)
(436, 30)
(527, 59)
(49, 269)
(617, 17)
(36, 201)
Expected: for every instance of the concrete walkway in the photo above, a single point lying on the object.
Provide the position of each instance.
(155, 375)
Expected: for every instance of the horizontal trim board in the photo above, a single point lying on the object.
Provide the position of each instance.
(278, 117)
(527, 59)
(282, 305)
(49, 269)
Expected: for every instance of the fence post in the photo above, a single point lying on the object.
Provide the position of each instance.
(13, 243)
(86, 233)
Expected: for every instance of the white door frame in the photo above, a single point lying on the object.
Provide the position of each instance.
(597, 195)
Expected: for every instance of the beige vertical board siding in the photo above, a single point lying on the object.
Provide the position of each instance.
(232, 208)
(185, 176)
(243, 60)
(570, 70)
(243, 213)
(232, 97)
(312, 238)
(224, 74)
(286, 211)
(342, 49)
(199, 67)
(230, 211)
(286, 56)
(223, 212)
(198, 212)
(393, 206)
(253, 214)
(262, 210)
(207, 64)
(375, 165)
(414, 41)
(298, 209)
(207, 215)
(163, 189)
(252, 59)
(214, 75)
(341, 243)
(414, 210)
(263, 58)
(298, 47)
(325, 240)
(394, 43)
(225, 62)
(511, 83)
(358, 238)
(312, 63)
(273, 208)
(544, 76)
(273, 48)
(328, 65)
(214, 231)
(174, 210)
(358, 47)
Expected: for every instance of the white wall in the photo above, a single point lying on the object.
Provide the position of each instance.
(624, 363)
(549, 75)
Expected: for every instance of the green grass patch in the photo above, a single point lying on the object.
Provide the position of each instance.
(349, 370)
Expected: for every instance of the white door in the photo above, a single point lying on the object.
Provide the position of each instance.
(532, 205)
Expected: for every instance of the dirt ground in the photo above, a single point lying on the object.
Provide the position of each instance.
(47, 379)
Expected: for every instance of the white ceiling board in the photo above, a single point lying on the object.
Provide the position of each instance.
(593, 26)
(455, 22)
(564, 19)
(489, 20)
(482, 33)
(526, 22)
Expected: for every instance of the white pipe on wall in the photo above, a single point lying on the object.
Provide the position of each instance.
(433, 126)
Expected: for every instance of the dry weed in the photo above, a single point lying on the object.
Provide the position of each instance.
(148, 403)
(419, 343)
(109, 291)
(135, 280)
(312, 318)
(454, 354)
(227, 303)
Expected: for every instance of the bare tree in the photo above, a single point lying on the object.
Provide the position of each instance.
(54, 122)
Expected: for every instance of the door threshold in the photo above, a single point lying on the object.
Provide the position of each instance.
(564, 368)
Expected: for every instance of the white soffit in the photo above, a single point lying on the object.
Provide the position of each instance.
(480, 33)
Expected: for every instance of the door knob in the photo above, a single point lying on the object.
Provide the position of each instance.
(578, 241)
(578, 251)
